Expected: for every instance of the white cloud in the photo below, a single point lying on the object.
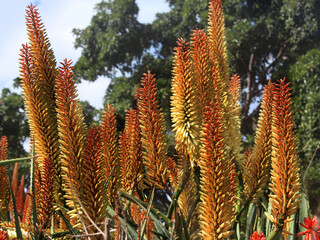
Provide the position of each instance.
(93, 92)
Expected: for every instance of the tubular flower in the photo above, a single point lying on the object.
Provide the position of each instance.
(46, 193)
(217, 199)
(285, 179)
(258, 236)
(152, 127)
(110, 151)
(257, 175)
(39, 74)
(185, 111)
(216, 33)
(220, 77)
(94, 199)
(20, 197)
(312, 225)
(72, 133)
(130, 152)
(4, 186)
(202, 68)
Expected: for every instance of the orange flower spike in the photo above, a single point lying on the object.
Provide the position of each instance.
(110, 150)
(131, 152)
(27, 210)
(72, 132)
(94, 182)
(20, 197)
(257, 176)
(185, 112)
(152, 127)
(202, 67)
(42, 54)
(39, 107)
(285, 179)
(217, 199)
(46, 199)
(4, 186)
(216, 33)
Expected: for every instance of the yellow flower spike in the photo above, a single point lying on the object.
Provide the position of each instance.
(285, 180)
(185, 112)
(257, 175)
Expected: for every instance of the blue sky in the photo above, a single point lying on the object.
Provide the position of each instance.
(59, 17)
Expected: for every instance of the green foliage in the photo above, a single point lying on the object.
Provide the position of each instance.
(264, 39)
(305, 74)
(13, 123)
(89, 112)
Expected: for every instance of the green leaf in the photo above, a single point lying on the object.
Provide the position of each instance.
(15, 214)
(11, 161)
(155, 214)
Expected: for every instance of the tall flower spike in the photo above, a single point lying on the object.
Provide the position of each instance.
(20, 197)
(285, 179)
(14, 184)
(42, 54)
(72, 133)
(43, 73)
(46, 193)
(217, 38)
(217, 200)
(185, 111)
(202, 68)
(94, 199)
(152, 133)
(220, 77)
(257, 175)
(4, 186)
(131, 152)
(110, 151)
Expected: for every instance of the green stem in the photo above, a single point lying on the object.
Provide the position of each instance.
(9, 161)
(276, 233)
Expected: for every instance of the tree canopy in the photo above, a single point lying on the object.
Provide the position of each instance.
(265, 40)
(13, 122)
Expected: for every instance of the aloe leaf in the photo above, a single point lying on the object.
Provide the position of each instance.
(10, 161)
(15, 214)
(250, 219)
(155, 214)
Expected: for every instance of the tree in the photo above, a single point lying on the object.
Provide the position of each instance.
(13, 123)
(305, 75)
(265, 40)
